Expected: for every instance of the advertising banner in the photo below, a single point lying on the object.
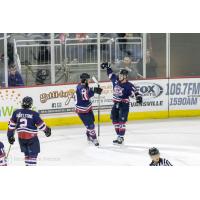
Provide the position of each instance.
(184, 94)
(59, 100)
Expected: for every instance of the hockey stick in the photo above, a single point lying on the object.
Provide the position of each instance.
(10, 144)
(8, 151)
(95, 80)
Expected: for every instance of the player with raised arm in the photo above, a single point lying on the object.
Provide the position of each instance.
(122, 90)
(83, 106)
(27, 123)
(3, 161)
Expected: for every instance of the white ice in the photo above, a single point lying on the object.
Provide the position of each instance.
(177, 139)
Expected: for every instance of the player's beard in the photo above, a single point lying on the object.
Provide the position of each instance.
(124, 79)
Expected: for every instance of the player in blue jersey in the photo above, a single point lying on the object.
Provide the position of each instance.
(2, 155)
(83, 106)
(122, 90)
(27, 123)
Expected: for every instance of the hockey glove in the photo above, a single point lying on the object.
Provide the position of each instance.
(98, 90)
(105, 65)
(11, 140)
(47, 131)
(139, 99)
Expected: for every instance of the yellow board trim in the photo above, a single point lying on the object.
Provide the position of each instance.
(184, 113)
(65, 121)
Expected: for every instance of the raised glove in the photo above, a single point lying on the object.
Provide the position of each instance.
(105, 65)
(98, 90)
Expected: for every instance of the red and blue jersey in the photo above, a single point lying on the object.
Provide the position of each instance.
(121, 91)
(83, 95)
(2, 155)
(26, 122)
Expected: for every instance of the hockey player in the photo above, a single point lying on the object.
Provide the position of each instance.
(27, 123)
(2, 155)
(84, 106)
(156, 160)
(122, 90)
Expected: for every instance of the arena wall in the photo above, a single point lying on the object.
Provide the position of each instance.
(163, 98)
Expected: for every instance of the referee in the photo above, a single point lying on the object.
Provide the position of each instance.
(156, 159)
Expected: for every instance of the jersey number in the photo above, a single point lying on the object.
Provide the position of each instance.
(23, 123)
(84, 94)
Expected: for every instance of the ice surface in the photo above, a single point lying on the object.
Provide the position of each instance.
(177, 139)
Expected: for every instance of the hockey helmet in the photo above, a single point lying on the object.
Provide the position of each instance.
(84, 77)
(153, 151)
(123, 72)
(27, 102)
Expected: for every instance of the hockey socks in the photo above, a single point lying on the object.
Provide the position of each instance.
(92, 137)
(30, 160)
(120, 129)
(116, 125)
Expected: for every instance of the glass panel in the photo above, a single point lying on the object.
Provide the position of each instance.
(156, 55)
(2, 72)
(77, 52)
(126, 52)
(80, 55)
(185, 51)
(30, 52)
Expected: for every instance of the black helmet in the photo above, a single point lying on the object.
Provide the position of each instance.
(123, 72)
(84, 77)
(27, 102)
(153, 151)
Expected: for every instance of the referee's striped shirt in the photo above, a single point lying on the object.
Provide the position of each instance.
(162, 162)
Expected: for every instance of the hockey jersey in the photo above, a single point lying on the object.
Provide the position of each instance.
(82, 99)
(162, 162)
(121, 91)
(26, 122)
(2, 155)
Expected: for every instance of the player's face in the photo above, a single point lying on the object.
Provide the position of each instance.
(155, 158)
(121, 77)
